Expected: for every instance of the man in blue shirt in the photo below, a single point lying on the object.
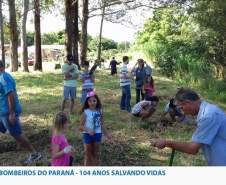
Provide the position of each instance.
(10, 110)
(210, 134)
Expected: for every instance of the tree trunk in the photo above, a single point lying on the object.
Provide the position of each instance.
(76, 35)
(218, 71)
(37, 39)
(69, 26)
(224, 73)
(2, 34)
(13, 35)
(24, 36)
(85, 13)
(100, 35)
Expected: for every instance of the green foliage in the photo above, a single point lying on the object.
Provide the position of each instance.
(122, 46)
(105, 54)
(30, 38)
(108, 44)
(109, 48)
(186, 45)
(61, 37)
(6, 34)
(211, 17)
(53, 38)
(47, 38)
(105, 44)
(162, 39)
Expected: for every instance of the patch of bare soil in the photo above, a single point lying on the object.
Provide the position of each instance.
(9, 149)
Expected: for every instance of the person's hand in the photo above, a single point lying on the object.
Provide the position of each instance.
(71, 70)
(125, 76)
(159, 143)
(68, 149)
(67, 76)
(145, 105)
(12, 118)
(90, 131)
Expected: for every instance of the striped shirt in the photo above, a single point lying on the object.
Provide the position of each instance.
(124, 74)
(87, 82)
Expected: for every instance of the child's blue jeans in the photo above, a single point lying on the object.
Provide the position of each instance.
(125, 99)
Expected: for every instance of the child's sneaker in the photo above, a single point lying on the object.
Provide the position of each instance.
(34, 157)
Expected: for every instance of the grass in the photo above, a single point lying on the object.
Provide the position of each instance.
(41, 94)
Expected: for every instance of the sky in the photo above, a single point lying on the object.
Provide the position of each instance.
(116, 32)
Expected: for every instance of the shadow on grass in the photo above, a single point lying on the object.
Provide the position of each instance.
(119, 153)
(41, 95)
(38, 136)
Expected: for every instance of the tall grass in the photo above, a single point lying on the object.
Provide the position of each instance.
(199, 75)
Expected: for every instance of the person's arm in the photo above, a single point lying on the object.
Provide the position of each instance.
(108, 136)
(127, 76)
(67, 76)
(143, 91)
(133, 70)
(81, 76)
(11, 102)
(145, 104)
(147, 112)
(102, 124)
(82, 122)
(164, 114)
(83, 127)
(66, 73)
(146, 63)
(186, 147)
(75, 72)
(149, 68)
(124, 73)
(8, 91)
(93, 78)
(94, 67)
(56, 151)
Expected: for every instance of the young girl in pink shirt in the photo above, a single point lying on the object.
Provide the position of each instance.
(148, 88)
(60, 148)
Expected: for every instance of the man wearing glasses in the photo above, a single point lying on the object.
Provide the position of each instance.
(210, 134)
